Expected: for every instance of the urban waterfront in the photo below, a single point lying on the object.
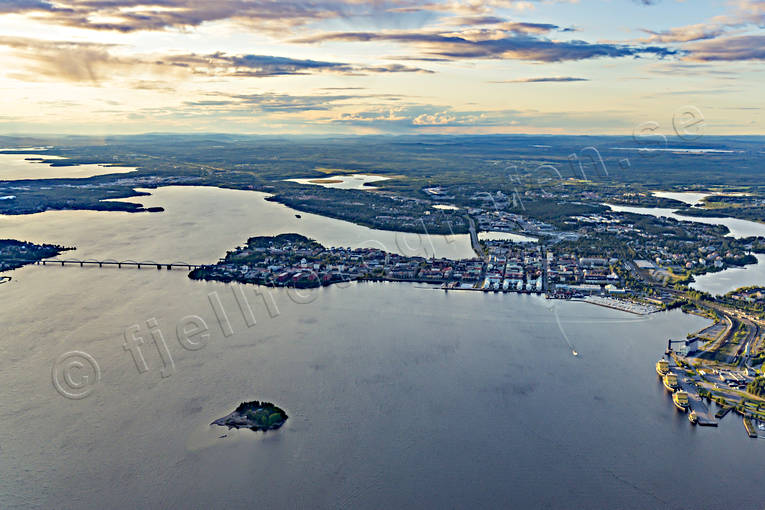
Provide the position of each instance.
(398, 394)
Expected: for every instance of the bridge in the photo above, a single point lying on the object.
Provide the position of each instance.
(118, 263)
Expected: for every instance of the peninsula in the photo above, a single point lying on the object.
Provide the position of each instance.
(15, 254)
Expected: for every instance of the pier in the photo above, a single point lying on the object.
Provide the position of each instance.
(621, 305)
(723, 412)
(750, 430)
(696, 403)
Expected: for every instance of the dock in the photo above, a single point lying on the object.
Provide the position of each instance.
(722, 412)
(750, 428)
(621, 305)
(696, 403)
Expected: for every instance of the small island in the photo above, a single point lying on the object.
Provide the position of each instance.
(254, 416)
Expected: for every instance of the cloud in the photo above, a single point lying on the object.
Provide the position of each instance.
(748, 12)
(134, 15)
(475, 20)
(684, 34)
(495, 44)
(67, 61)
(738, 48)
(274, 16)
(96, 63)
(439, 119)
(545, 79)
(530, 28)
(416, 117)
(280, 103)
(221, 64)
(271, 102)
(436, 119)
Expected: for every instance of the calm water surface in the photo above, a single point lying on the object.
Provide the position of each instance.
(737, 227)
(343, 181)
(15, 167)
(398, 395)
(506, 236)
(688, 197)
(200, 223)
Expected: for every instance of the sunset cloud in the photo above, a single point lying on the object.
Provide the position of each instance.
(750, 47)
(357, 66)
(95, 63)
(491, 44)
(544, 79)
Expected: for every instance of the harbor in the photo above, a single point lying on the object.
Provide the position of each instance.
(690, 392)
(684, 392)
(620, 304)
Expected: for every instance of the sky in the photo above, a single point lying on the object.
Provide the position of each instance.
(330, 67)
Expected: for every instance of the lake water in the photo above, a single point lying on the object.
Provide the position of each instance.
(732, 279)
(688, 197)
(343, 181)
(506, 236)
(738, 228)
(676, 150)
(14, 167)
(399, 396)
(210, 221)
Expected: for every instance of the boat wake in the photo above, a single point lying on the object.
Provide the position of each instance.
(565, 337)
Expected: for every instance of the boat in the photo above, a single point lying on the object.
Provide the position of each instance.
(680, 399)
(693, 417)
(662, 367)
(670, 382)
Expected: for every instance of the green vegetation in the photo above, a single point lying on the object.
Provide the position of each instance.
(254, 416)
(757, 387)
(539, 174)
(15, 254)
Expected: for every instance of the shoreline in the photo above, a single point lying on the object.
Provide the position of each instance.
(621, 305)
